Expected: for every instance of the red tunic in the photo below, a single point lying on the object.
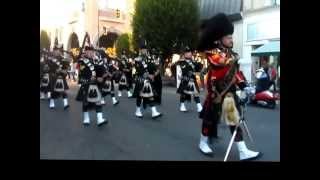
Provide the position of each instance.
(220, 66)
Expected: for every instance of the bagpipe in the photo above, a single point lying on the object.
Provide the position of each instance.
(228, 74)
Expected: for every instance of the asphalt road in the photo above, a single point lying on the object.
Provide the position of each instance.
(174, 136)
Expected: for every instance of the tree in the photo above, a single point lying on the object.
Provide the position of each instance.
(167, 25)
(44, 40)
(124, 43)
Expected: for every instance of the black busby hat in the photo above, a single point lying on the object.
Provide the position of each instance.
(213, 30)
(88, 48)
(102, 53)
(187, 49)
(154, 51)
(142, 43)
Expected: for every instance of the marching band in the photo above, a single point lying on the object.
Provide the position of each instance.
(100, 72)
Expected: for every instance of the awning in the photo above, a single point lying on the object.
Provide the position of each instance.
(271, 48)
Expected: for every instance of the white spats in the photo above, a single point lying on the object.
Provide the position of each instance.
(129, 94)
(103, 101)
(65, 103)
(51, 104)
(245, 153)
(49, 95)
(86, 118)
(114, 101)
(119, 93)
(42, 95)
(100, 119)
(183, 107)
(138, 112)
(154, 112)
(203, 145)
(199, 107)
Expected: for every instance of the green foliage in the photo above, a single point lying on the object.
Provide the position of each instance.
(123, 43)
(44, 40)
(167, 25)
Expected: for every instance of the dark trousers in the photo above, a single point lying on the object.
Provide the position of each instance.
(71, 74)
(44, 89)
(208, 129)
(127, 87)
(239, 136)
(106, 94)
(146, 101)
(86, 106)
(184, 97)
(56, 95)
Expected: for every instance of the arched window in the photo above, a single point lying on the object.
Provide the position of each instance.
(108, 40)
(73, 41)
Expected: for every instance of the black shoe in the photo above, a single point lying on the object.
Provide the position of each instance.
(116, 103)
(207, 154)
(85, 124)
(253, 158)
(66, 107)
(155, 117)
(104, 122)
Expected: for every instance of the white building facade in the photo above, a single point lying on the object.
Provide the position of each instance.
(261, 25)
(60, 18)
(256, 22)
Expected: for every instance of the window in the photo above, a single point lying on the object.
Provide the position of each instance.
(269, 2)
(275, 2)
(261, 30)
(272, 2)
(252, 32)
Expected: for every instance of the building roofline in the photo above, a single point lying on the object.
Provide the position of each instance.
(251, 11)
